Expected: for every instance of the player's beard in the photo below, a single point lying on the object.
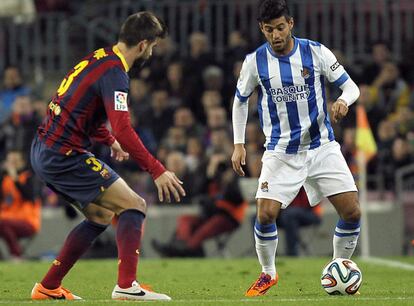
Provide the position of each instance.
(283, 46)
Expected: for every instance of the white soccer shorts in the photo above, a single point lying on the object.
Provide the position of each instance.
(322, 171)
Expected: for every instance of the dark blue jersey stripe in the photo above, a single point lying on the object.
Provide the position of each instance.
(263, 70)
(327, 122)
(259, 105)
(307, 63)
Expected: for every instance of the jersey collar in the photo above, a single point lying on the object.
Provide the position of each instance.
(121, 57)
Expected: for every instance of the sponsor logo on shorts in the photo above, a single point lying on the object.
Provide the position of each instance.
(265, 187)
(105, 173)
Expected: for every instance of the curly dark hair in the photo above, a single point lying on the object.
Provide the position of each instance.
(272, 9)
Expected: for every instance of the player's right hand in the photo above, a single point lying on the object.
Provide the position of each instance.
(238, 158)
(168, 183)
(118, 153)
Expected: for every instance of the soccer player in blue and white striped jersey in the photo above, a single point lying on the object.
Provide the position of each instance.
(289, 74)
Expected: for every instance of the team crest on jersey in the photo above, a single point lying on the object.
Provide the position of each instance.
(305, 73)
(265, 187)
(105, 174)
(120, 99)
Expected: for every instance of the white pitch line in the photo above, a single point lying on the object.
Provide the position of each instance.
(389, 263)
(200, 301)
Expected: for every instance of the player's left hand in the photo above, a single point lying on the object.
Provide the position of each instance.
(168, 183)
(118, 153)
(339, 110)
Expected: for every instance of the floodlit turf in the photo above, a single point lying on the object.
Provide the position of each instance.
(214, 282)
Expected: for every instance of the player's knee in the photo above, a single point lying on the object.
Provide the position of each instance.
(266, 211)
(352, 215)
(266, 216)
(136, 202)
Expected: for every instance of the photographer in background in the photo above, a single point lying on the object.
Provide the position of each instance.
(19, 206)
(222, 211)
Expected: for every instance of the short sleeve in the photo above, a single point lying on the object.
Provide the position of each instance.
(331, 68)
(248, 80)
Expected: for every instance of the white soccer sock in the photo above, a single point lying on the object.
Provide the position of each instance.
(266, 245)
(345, 239)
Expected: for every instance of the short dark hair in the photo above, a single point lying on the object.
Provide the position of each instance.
(142, 26)
(272, 9)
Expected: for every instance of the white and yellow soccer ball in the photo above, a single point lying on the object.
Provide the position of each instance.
(341, 276)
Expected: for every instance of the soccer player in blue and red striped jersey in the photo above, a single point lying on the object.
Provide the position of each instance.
(93, 92)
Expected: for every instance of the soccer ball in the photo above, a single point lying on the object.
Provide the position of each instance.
(341, 276)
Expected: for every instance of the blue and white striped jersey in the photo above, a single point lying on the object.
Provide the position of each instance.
(291, 94)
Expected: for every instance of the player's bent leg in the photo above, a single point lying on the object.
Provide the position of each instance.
(131, 209)
(76, 244)
(348, 227)
(266, 239)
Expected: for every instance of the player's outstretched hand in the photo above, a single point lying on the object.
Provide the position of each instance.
(118, 153)
(168, 183)
(238, 158)
(339, 110)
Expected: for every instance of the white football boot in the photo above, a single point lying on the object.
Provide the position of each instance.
(136, 292)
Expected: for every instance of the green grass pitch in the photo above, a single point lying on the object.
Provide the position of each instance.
(213, 282)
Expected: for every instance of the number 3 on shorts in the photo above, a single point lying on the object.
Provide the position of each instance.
(94, 163)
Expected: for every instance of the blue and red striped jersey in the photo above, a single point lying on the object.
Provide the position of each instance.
(93, 92)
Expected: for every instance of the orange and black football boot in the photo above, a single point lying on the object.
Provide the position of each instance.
(41, 293)
(261, 285)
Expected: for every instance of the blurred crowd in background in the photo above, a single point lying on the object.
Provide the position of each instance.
(181, 108)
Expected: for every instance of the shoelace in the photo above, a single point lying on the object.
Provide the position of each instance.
(263, 279)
